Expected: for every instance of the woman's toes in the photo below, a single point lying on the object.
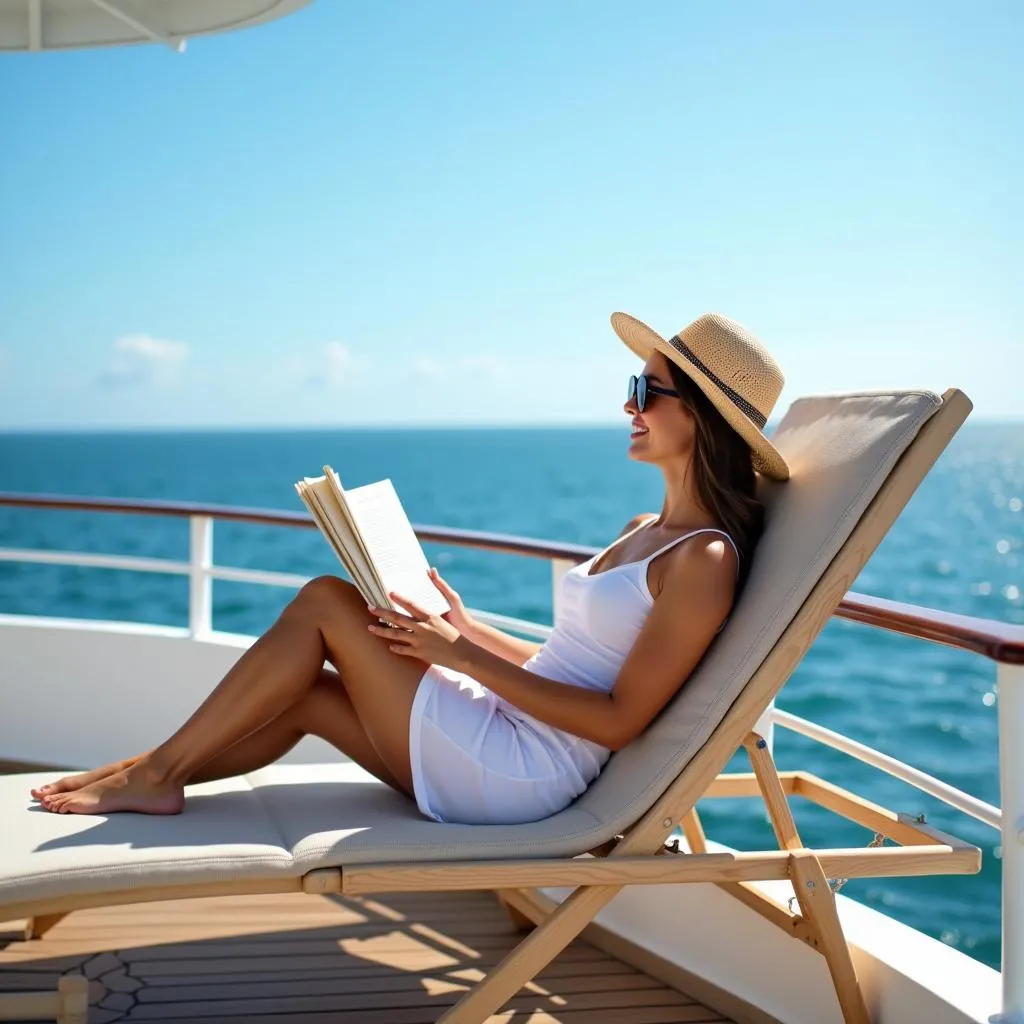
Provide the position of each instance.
(60, 786)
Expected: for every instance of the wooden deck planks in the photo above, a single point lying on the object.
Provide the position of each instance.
(428, 1015)
(296, 959)
(398, 1000)
(282, 988)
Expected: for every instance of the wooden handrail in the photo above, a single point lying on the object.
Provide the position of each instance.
(183, 509)
(1000, 641)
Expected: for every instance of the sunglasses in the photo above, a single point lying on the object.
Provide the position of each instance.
(640, 389)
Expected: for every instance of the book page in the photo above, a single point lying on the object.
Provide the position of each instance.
(337, 538)
(323, 507)
(332, 498)
(391, 543)
(310, 500)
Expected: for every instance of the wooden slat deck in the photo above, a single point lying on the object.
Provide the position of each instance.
(298, 959)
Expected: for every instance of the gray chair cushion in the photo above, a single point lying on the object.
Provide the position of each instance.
(226, 835)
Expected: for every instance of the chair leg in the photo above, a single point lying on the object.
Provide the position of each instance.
(816, 899)
(694, 831)
(818, 906)
(772, 792)
(532, 955)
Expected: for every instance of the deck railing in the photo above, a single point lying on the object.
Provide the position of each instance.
(1000, 642)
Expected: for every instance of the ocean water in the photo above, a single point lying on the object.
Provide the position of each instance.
(956, 547)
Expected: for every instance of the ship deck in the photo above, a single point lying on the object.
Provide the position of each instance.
(301, 959)
(298, 959)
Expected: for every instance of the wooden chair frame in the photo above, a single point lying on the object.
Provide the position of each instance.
(817, 924)
(636, 857)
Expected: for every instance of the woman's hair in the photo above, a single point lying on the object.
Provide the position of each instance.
(723, 471)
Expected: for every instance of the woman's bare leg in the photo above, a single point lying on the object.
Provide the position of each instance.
(327, 619)
(326, 712)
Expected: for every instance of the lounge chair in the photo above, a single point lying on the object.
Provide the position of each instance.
(856, 459)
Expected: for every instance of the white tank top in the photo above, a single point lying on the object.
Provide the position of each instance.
(598, 620)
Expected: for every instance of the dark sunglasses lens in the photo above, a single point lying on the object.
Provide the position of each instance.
(638, 390)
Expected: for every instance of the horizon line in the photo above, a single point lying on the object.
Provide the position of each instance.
(356, 428)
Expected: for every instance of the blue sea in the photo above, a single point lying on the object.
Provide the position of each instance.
(956, 547)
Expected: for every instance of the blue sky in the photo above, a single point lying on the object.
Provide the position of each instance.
(386, 212)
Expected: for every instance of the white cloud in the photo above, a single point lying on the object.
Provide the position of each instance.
(336, 366)
(141, 360)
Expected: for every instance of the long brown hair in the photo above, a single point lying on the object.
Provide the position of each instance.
(723, 471)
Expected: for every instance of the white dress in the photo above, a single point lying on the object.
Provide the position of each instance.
(476, 759)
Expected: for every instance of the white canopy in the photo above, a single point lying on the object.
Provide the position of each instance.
(66, 24)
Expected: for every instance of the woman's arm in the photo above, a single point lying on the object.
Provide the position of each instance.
(504, 645)
(585, 713)
(510, 648)
(693, 603)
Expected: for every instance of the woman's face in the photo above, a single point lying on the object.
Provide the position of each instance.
(666, 428)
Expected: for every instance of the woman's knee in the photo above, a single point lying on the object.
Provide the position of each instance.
(329, 595)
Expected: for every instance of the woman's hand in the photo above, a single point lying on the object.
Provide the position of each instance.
(420, 635)
(457, 616)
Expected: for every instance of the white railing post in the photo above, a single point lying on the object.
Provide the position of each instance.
(559, 567)
(1011, 791)
(200, 579)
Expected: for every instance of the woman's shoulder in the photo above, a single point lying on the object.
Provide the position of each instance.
(707, 561)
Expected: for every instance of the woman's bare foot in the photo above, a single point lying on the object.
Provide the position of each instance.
(72, 782)
(128, 790)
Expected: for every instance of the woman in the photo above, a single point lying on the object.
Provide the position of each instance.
(478, 726)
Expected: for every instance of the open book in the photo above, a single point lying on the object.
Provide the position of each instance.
(373, 538)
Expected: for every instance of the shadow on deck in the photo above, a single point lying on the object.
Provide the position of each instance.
(298, 959)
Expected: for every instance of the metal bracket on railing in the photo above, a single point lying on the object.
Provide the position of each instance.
(835, 884)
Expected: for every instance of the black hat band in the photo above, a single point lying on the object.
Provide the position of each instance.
(738, 400)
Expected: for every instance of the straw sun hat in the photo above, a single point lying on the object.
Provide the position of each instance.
(730, 366)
